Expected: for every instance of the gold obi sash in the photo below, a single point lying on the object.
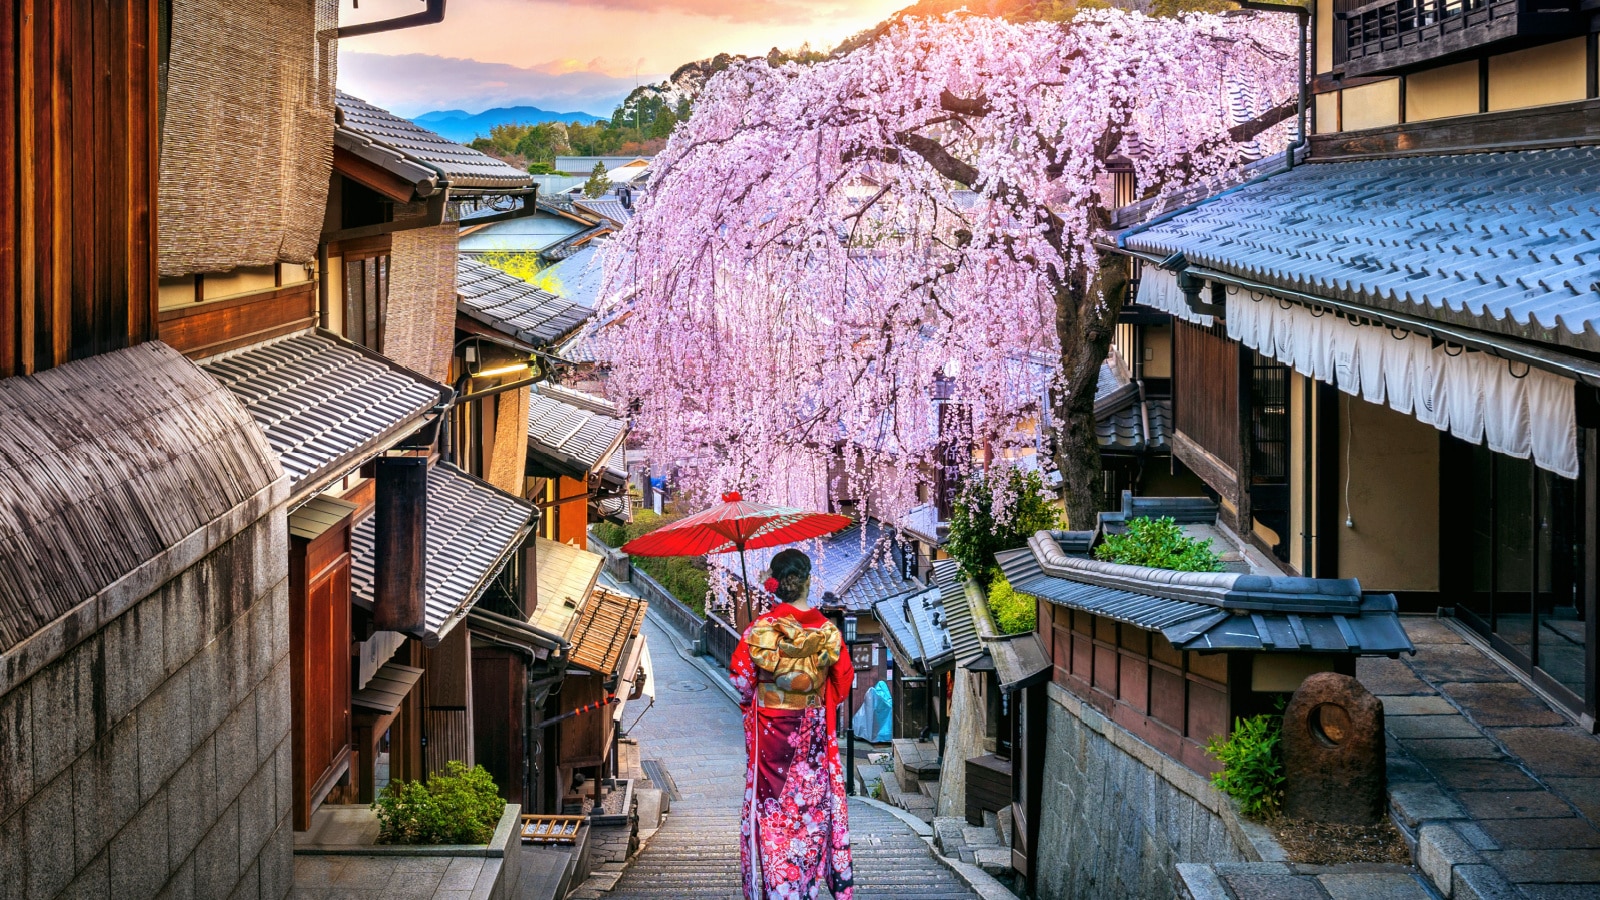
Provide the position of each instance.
(792, 662)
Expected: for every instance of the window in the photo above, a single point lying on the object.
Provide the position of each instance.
(366, 298)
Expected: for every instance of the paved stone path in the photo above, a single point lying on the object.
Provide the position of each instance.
(695, 731)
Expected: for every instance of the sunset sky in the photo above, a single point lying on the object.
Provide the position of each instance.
(576, 55)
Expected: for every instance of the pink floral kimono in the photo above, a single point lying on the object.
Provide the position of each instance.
(792, 672)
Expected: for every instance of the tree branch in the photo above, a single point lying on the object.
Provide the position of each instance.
(935, 155)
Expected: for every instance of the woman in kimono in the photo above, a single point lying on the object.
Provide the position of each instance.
(792, 672)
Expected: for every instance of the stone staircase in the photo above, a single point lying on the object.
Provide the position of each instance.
(908, 779)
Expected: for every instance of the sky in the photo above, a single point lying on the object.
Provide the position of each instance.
(572, 55)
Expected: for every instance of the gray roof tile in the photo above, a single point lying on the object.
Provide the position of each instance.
(608, 207)
(325, 405)
(464, 167)
(856, 565)
(1370, 628)
(963, 631)
(512, 306)
(472, 530)
(571, 438)
(1504, 242)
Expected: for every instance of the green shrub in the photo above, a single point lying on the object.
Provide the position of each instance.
(1252, 764)
(975, 536)
(684, 577)
(458, 806)
(1013, 613)
(1160, 544)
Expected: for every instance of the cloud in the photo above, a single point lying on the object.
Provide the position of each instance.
(414, 83)
(730, 10)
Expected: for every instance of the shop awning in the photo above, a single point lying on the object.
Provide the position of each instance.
(606, 626)
(387, 689)
(1020, 661)
(1512, 408)
(565, 577)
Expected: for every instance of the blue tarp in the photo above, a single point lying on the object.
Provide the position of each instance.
(874, 721)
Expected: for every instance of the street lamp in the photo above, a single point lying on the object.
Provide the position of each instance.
(848, 620)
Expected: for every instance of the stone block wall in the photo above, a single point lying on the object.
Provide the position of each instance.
(1118, 816)
(153, 758)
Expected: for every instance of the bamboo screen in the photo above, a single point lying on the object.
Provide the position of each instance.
(247, 137)
(421, 319)
(510, 456)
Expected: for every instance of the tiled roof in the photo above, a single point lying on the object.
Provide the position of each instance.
(566, 577)
(1123, 430)
(574, 440)
(582, 399)
(409, 145)
(1504, 242)
(578, 277)
(922, 523)
(608, 207)
(927, 616)
(526, 234)
(958, 621)
(859, 570)
(472, 530)
(512, 306)
(574, 243)
(1212, 611)
(326, 406)
(605, 626)
(892, 616)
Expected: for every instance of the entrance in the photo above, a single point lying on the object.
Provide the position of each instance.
(1525, 580)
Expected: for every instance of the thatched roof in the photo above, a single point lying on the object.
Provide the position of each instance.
(107, 463)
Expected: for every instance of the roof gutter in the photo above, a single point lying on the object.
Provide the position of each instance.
(432, 15)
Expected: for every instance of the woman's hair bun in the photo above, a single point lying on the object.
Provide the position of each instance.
(790, 563)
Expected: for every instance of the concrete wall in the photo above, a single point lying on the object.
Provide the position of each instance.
(1392, 464)
(1118, 815)
(153, 757)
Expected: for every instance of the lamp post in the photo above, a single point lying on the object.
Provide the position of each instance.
(849, 621)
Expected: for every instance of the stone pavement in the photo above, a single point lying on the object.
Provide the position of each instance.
(1498, 788)
(1498, 793)
(695, 734)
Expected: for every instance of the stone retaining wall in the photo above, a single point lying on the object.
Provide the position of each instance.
(1118, 816)
(155, 753)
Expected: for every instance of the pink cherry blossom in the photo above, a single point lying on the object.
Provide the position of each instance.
(805, 266)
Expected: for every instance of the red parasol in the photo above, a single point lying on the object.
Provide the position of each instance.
(737, 524)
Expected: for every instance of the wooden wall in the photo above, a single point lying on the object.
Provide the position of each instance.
(78, 159)
(1205, 389)
(1173, 700)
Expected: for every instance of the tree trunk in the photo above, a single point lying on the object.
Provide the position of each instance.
(1085, 325)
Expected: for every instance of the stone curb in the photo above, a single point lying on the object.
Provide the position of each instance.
(980, 882)
(1454, 867)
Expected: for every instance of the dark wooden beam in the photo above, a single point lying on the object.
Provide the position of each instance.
(373, 176)
(1544, 127)
(399, 589)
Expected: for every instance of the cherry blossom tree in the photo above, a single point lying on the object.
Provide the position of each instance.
(825, 245)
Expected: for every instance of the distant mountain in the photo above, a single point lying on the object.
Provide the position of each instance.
(460, 125)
